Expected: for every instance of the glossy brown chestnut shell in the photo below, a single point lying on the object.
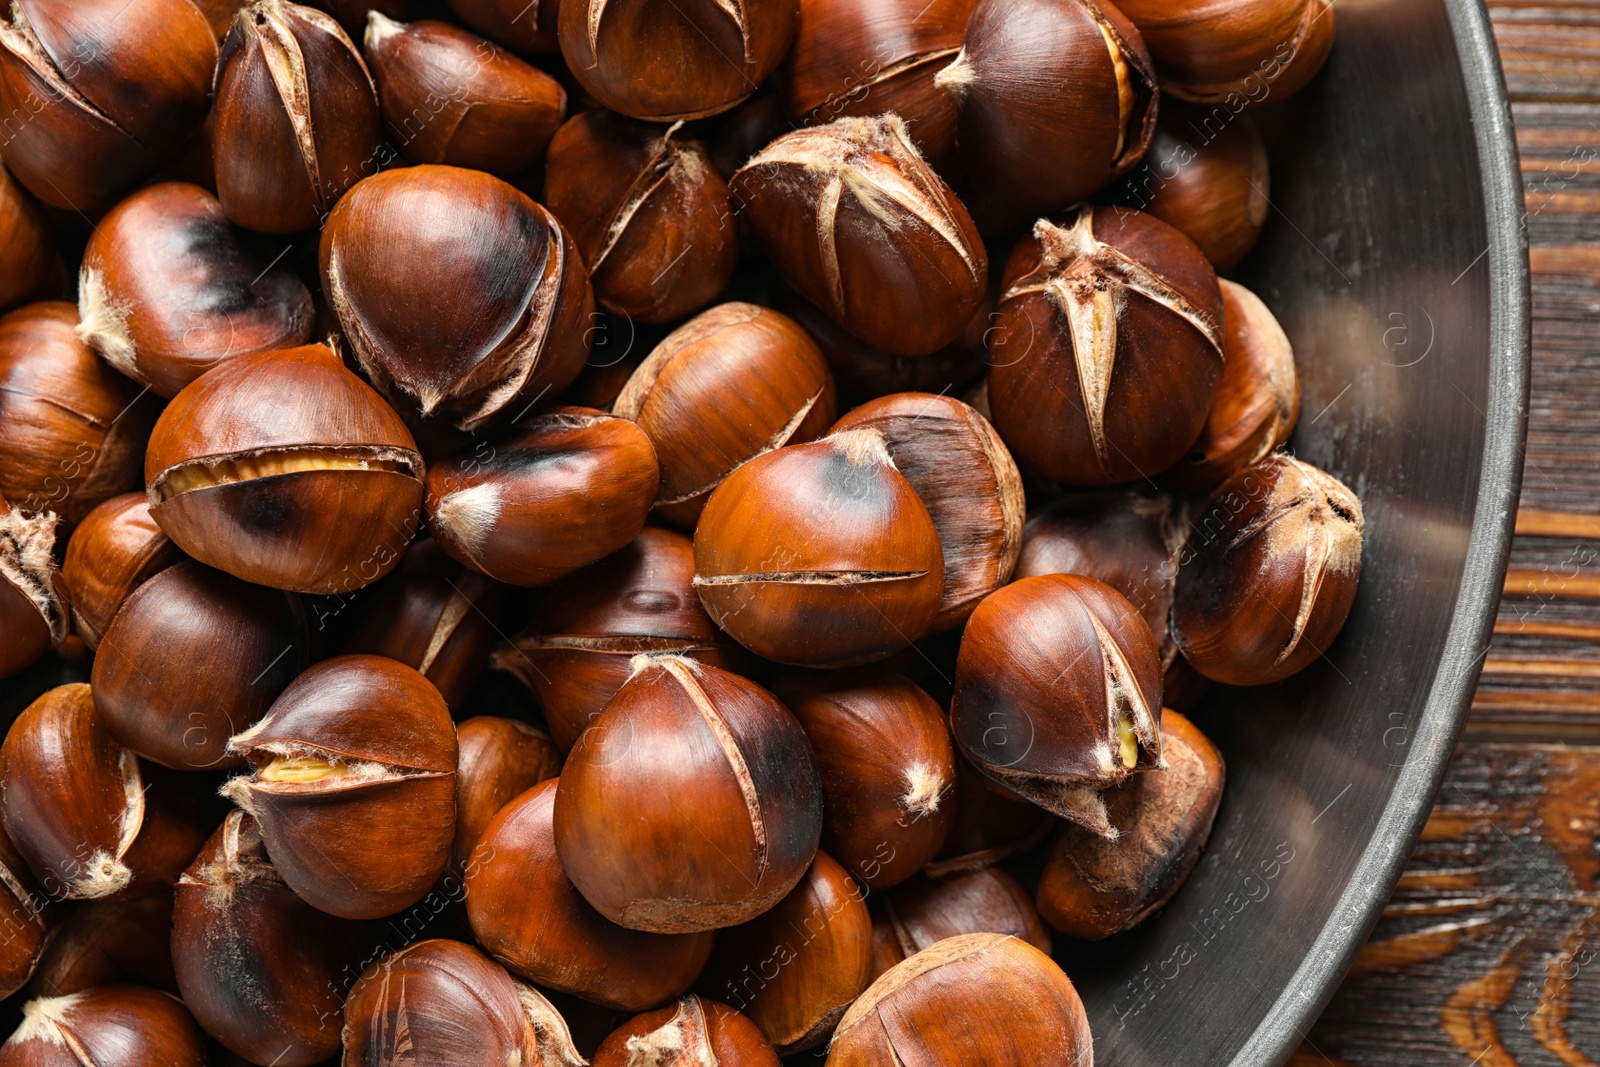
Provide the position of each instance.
(694, 1032)
(991, 825)
(1238, 55)
(924, 912)
(111, 553)
(110, 942)
(27, 918)
(30, 265)
(519, 24)
(34, 606)
(499, 760)
(106, 1024)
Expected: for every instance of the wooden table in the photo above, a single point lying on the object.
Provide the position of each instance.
(1489, 951)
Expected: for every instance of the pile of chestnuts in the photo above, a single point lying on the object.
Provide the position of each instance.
(622, 532)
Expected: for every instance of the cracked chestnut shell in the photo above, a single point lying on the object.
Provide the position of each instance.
(450, 96)
(731, 384)
(250, 641)
(484, 314)
(647, 209)
(285, 469)
(820, 555)
(107, 1024)
(978, 998)
(27, 920)
(98, 93)
(499, 760)
(924, 912)
(683, 60)
(1269, 573)
(991, 825)
(114, 550)
(296, 118)
(165, 291)
(694, 1032)
(564, 489)
(34, 606)
(1242, 53)
(1106, 348)
(966, 478)
(887, 766)
(30, 265)
(447, 1004)
(262, 970)
(589, 625)
(528, 915)
(1092, 888)
(1058, 693)
(704, 759)
(353, 781)
(859, 224)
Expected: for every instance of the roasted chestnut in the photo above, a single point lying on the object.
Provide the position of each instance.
(110, 942)
(34, 606)
(682, 60)
(353, 780)
(1269, 573)
(979, 998)
(588, 626)
(1258, 399)
(527, 914)
(820, 555)
(991, 825)
(729, 385)
(647, 209)
(25, 920)
(1058, 693)
(859, 224)
(165, 292)
(285, 469)
(924, 912)
(499, 759)
(445, 1003)
(694, 1032)
(793, 970)
(71, 428)
(261, 969)
(450, 96)
(525, 25)
(107, 1024)
(1058, 97)
(1106, 348)
(968, 481)
(708, 761)
(194, 657)
(113, 551)
(887, 767)
(30, 265)
(1092, 888)
(82, 811)
(98, 92)
(296, 118)
(1239, 54)
(485, 313)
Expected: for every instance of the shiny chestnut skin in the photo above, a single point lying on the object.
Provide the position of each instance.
(729, 385)
(499, 759)
(165, 292)
(965, 476)
(868, 57)
(1269, 573)
(296, 118)
(991, 825)
(34, 606)
(566, 488)
(1058, 97)
(695, 1031)
(1106, 348)
(447, 1004)
(684, 60)
(1092, 888)
(88, 818)
(820, 939)
(98, 93)
(1210, 182)
(516, 24)
(71, 428)
(111, 553)
(433, 615)
(353, 781)
(262, 970)
(107, 1024)
(1058, 693)
(588, 626)
(194, 657)
(450, 96)
(859, 224)
(30, 265)
(1239, 54)
(647, 209)
(485, 312)
(705, 759)
(285, 469)
(528, 915)
(110, 942)
(25, 916)
(979, 998)
(1258, 399)
(887, 765)
(924, 912)
(820, 555)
